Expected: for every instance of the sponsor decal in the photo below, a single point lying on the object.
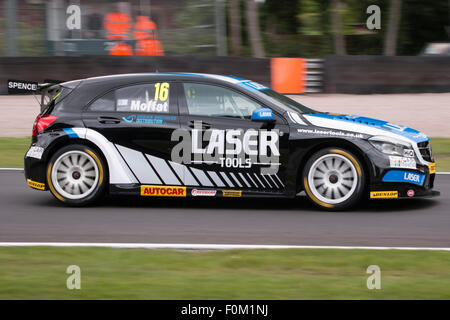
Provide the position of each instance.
(232, 148)
(295, 117)
(409, 153)
(156, 101)
(21, 86)
(404, 176)
(410, 193)
(148, 119)
(327, 132)
(262, 114)
(129, 119)
(163, 191)
(252, 85)
(432, 167)
(383, 194)
(409, 133)
(402, 162)
(36, 185)
(70, 132)
(35, 152)
(421, 136)
(203, 193)
(232, 193)
(149, 106)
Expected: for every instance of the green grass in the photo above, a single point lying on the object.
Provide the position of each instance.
(441, 151)
(12, 151)
(40, 273)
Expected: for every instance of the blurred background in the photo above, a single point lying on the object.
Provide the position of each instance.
(261, 28)
(387, 59)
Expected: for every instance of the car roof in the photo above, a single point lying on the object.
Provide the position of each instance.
(91, 88)
(166, 75)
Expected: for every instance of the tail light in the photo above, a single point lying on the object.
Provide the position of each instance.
(42, 122)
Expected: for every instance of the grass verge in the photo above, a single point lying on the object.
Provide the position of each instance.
(40, 273)
(12, 151)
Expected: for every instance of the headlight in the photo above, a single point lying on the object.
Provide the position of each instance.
(392, 146)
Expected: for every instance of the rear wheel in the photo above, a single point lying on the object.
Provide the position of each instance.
(333, 179)
(76, 175)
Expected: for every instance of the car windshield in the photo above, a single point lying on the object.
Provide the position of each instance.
(284, 102)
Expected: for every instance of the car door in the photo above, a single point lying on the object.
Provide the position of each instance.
(139, 120)
(228, 149)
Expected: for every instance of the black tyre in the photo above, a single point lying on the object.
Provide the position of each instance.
(334, 179)
(77, 175)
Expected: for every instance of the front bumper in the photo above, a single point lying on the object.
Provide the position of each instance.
(401, 191)
(391, 181)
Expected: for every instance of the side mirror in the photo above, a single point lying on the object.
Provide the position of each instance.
(263, 115)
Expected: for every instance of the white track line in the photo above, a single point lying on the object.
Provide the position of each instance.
(19, 169)
(181, 246)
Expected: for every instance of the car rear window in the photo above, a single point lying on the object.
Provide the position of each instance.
(53, 96)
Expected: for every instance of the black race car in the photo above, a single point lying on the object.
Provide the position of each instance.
(200, 135)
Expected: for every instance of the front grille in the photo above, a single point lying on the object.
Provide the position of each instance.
(425, 151)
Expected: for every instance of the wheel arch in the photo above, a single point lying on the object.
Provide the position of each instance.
(337, 143)
(58, 144)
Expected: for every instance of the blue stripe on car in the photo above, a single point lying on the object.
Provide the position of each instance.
(404, 176)
(409, 133)
(70, 133)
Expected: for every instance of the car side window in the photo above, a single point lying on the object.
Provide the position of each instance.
(215, 101)
(105, 103)
(142, 98)
(145, 98)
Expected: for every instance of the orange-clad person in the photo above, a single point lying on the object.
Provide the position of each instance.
(121, 49)
(147, 39)
(117, 24)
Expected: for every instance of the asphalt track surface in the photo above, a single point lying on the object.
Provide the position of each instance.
(28, 215)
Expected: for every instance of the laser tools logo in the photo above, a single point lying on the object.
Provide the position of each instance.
(231, 148)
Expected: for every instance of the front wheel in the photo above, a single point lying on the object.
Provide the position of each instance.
(76, 175)
(334, 179)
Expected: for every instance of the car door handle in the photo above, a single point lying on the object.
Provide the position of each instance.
(204, 124)
(108, 120)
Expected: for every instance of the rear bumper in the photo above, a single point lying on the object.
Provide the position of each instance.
(34, 170)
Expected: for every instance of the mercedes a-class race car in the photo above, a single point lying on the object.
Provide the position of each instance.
(200, 135)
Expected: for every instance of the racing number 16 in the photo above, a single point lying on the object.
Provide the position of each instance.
(161, 91)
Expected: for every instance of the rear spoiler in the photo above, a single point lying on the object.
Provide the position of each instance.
(29, 87)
